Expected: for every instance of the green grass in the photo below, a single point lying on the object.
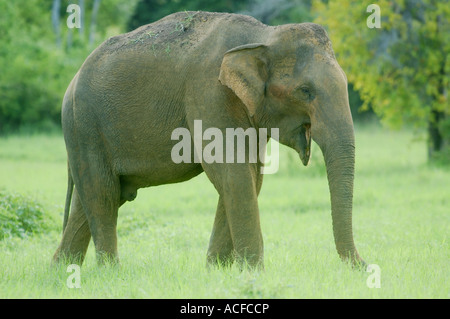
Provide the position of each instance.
(401, 223)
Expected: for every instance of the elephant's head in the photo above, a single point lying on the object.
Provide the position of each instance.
(293, 82)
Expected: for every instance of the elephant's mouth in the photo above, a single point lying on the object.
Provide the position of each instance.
(304, 149)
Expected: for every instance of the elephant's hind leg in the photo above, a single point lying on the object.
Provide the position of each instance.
(76, 237)
(100, 196)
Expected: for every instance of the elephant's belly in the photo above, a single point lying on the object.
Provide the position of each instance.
(153, 174)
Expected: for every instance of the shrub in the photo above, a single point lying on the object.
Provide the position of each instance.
(19, 216)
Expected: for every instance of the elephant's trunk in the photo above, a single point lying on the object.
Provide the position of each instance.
(337, 142)
(340, 163)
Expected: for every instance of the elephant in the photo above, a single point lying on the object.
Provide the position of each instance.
(229, 71)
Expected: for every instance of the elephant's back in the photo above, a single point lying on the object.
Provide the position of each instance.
(178, 34)
(153, 66)
(177, 47)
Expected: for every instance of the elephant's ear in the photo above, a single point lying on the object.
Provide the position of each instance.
(244, 71)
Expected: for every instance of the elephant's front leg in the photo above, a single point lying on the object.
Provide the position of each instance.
(220, 250)
(238, 191)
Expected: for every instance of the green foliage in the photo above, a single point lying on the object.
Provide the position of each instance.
(36, 66)
(401, 69)
(28, 65)
(292, 11)
(19, 216)
(148, 11)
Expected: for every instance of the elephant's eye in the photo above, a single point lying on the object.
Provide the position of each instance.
(306, 93)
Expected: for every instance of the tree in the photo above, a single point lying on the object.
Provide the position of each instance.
(400, 69)
(148, 11)
(28, 81)
(40, 54)
(275, 12)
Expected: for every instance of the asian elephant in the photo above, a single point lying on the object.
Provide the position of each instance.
(229, 71)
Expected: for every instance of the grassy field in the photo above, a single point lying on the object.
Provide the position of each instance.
(401, 223)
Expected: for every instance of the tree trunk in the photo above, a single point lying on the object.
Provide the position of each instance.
(82, 12)
(95, 8)
(435, 138)
(69, 39)
(56, 21)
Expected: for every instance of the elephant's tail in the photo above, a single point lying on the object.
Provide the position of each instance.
(68, 196)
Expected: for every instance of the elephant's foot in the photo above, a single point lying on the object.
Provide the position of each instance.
(219, 260)
(73, 246)
(226, 260)
(250, 261)
(67, 258)
(107, 258)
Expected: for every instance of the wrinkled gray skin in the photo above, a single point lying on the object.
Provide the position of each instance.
(229, 71)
